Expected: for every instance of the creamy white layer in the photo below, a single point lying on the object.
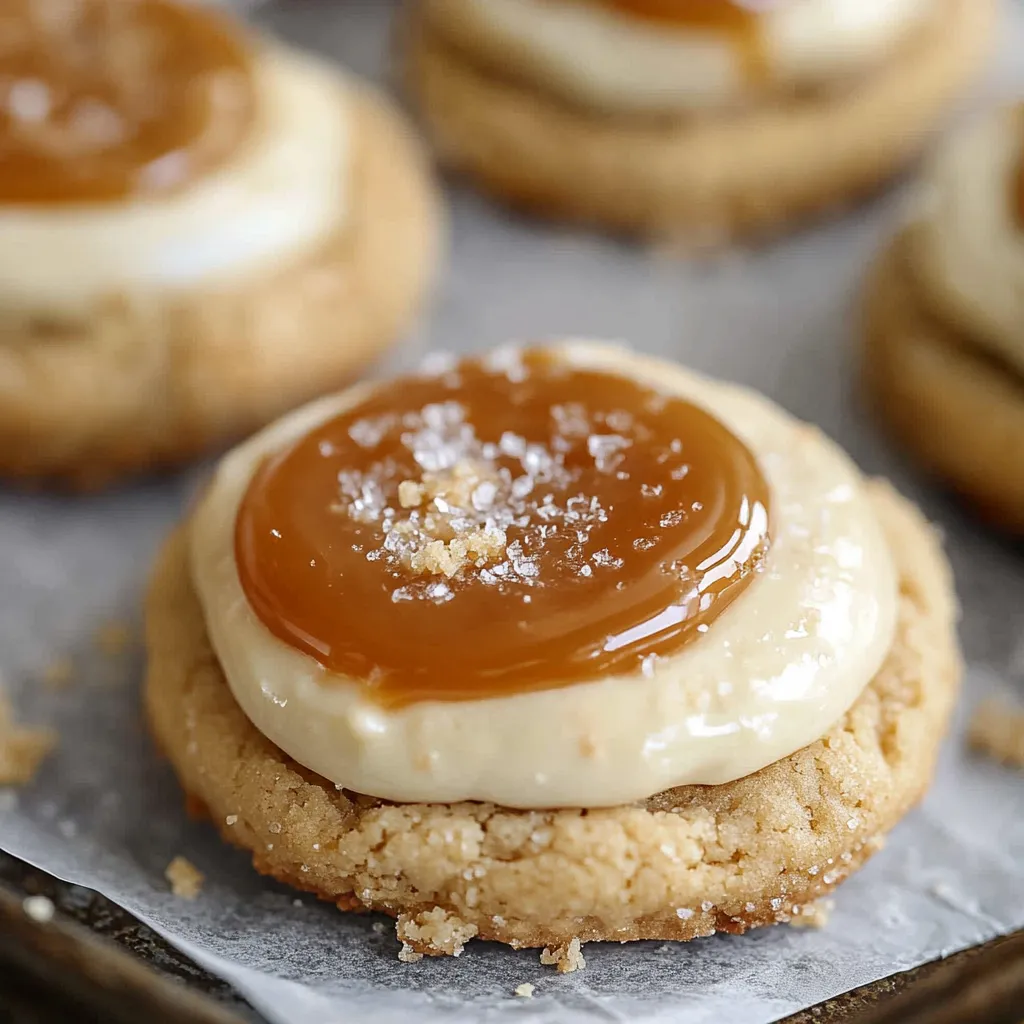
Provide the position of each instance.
(772, 674)
(284, 190)
(969, 243)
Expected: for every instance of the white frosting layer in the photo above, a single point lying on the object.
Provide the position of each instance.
(283, 190)
(614, 61)
(773, 673)
(970, 248)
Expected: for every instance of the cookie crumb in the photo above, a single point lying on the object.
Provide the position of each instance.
(813, 915)
(997, 730)
(21, 749)
(59, 674)
(113, 637)
(185, 878)
(433, 933)
(525, 991)
(408, 955)
(39, 908)
(567, 958)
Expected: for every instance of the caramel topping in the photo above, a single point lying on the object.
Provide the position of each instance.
(103, 99)
(740, 24)
(510, 525)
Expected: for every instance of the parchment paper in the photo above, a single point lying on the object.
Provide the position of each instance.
(105, 812)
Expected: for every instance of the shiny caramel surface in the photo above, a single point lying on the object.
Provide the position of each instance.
(740, 24)
(106, 99)
(504, 526)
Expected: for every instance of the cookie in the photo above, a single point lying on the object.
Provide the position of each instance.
(700, 180)
(687, 862)
(958, 410)
(150, 380)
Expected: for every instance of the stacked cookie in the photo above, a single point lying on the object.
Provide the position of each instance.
(945, 333)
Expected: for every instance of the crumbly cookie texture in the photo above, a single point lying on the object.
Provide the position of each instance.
(567, 958)
(997, 730)
(704, 180)
(958, 411)
(150, 380)
(687, 862)
(434, 932)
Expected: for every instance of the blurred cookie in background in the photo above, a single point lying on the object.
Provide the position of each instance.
(692, 120)
(199, 228)
(944, 356)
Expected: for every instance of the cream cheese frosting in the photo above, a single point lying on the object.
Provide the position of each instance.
(283, 191)
(615, 61)
(772, 673)
(969, 247)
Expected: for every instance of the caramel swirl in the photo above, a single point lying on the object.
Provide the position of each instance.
(105, 99)
(506, 526)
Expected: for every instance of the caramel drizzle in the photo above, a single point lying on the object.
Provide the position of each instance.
(499, 530)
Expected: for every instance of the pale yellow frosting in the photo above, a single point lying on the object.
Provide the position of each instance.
(284, 190)
(969, 246)
(772, 674)
(611, 60)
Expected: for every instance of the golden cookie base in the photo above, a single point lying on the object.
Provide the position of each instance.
(688, 862)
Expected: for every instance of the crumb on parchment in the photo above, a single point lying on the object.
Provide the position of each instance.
(185, 878)
(566, 958)
(525, 991)
(22, 749)
(432, 933)
(997, 730)
(812, 915)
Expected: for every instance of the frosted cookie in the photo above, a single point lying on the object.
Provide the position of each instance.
(553, 646)
(199, 229)
(944, 355)
(695, 120)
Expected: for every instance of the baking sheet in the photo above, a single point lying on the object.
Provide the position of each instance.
(105, 812)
